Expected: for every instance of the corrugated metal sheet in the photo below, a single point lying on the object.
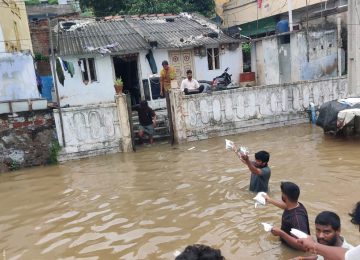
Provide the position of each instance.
(136, 33)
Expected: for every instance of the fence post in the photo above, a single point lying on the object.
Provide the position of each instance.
(124, 115)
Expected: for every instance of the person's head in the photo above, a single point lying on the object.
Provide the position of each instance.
(262, 158)
(290, 192)
(144, 103)
(200, 252)
(355, 215)
(165, 64)
(189, 74)
(328, 227)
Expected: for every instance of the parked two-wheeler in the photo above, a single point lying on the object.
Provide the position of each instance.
(221, 82)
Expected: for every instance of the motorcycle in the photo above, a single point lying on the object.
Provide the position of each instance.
(221, 82)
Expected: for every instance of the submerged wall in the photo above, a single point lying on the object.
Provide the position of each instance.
(239, 110)
(26, 139)
(94, 129)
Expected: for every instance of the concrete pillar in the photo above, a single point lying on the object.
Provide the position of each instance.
(353, 48)
(124, 123)
(178, 117)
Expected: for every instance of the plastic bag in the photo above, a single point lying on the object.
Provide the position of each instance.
(259, 199)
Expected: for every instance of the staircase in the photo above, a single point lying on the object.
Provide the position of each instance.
(161, 129)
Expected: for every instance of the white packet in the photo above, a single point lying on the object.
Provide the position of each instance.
(229, 144)
(267, 227)
(259, 199)
(298, 233)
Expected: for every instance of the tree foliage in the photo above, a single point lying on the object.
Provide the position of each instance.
(112, 7)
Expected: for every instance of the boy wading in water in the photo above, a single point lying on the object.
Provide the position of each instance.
(260, 171)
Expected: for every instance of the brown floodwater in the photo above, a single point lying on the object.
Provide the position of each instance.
(148, 204)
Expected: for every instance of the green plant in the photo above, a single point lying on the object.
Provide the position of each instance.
(40, 57)
(54, 152)
(118, 81)
(15, 165)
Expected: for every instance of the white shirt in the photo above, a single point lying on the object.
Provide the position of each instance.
(345, 245)
(353, 254)
(190, 85)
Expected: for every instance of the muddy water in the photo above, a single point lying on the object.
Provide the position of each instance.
(151, 203)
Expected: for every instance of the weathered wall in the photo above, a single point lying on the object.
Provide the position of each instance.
(14, 12)
(17, 77)
(247, 109)
(89, 130)
(231, 59)
(75, 92)
(26, 139)
(302, 59)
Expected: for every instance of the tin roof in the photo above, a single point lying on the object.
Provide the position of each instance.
(127, 34)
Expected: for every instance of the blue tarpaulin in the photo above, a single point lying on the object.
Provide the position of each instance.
(47, 84)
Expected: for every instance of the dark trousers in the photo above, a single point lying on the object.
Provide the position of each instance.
(194, 91)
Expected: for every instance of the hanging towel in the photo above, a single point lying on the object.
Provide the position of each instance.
(71, 68)
(82, 67)
(59, 71)
(65, 65)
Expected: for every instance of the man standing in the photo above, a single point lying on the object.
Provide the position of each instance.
(328, 229)
(167, 74)
(260, 171)
(294, 215)
(190, 85)
(147, 120)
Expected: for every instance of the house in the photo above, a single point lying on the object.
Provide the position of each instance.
(133, 48)
(310, 45)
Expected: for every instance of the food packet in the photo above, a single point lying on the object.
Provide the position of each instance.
(230, 144)
(259, 199)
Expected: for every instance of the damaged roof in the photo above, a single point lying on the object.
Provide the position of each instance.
(124, 34)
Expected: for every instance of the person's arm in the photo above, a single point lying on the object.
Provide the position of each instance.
(290, 240)
(245, 159)
(328, 252)
(197, 85)
(162, 78)
(153, 116)
(277, 203)
(182, 86)
(311, 257)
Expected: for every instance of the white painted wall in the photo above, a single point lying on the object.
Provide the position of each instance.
(75, 92)
(91, 129)
(271, 61)
(245, 109)
(159, 55)
(231, 59)
(17, 77)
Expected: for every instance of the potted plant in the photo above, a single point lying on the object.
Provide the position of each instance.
(118, 85)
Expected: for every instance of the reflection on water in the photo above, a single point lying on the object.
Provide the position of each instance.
(148, 204)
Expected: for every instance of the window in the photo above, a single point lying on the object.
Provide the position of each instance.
(88, 70)
(213, 59)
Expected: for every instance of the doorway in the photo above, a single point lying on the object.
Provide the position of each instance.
(126, 67)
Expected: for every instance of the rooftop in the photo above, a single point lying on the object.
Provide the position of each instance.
(123, 34)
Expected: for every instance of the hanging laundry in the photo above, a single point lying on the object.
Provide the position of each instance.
(65, 64)
(82, 66)
(59, 71)
(71, 68)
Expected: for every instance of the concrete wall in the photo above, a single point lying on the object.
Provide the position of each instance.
(278, 63)
(238, 12)
(17, 77)
(89, 130)
(15, 12)
(25, 140)
(228, 112)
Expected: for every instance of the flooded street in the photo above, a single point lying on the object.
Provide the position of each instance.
(148, 204)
